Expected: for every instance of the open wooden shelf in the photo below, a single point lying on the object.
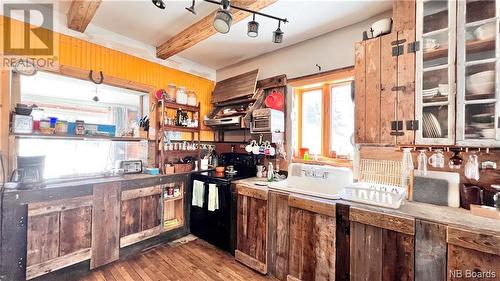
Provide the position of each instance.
(173, 105)
(180, 129)
(470, 47)
(66, 137)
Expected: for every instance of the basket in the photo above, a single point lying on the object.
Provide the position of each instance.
(183, 168)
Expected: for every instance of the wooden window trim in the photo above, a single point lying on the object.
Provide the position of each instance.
(324, 82)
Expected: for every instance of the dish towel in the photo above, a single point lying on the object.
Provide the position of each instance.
(213, 197)
(198, 192)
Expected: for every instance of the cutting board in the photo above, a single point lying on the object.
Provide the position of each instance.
(439, 188)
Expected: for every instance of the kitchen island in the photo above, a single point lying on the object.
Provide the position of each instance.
(77, 225)
(308, 238)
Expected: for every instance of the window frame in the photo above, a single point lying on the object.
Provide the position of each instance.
(323, 82)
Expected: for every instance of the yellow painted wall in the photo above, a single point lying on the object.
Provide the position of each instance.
(85, 55)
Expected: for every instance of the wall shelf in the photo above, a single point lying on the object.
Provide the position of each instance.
(180, 129)
(173, 105)
(66, 137)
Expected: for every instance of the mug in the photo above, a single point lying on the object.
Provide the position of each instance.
(260, 171)
(436, 160)
(470, 194)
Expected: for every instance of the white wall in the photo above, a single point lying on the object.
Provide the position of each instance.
(331, 50)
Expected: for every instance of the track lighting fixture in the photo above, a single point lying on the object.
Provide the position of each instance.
(223, 18)
(253, 28)
(191, 9)
(159, 3)
(278, 34)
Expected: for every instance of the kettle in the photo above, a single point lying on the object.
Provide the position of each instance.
(28, 177)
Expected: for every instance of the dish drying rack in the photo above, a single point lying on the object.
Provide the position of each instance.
(380, 184)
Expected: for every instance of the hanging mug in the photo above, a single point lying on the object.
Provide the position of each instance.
(437, 159)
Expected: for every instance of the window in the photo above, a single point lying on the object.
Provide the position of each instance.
(323, 119)
(71, 99)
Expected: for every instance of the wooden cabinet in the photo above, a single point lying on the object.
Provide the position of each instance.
(58, 235)
(472, 255)
(312, 240)
(385, 83)
(278, 238)
(140, 214)
(382, 246)
(251, 229)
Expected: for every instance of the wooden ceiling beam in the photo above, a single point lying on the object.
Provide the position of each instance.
(203, 29)
(81, 13)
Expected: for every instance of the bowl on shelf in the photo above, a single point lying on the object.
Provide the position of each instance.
(486, 31)
(483, 118)
(488, 133)
(481, 83)
(381, 27)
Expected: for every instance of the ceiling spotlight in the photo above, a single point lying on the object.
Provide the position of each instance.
(253, 28)
(222, 21)
(159, 3)
(191, 9)
(278, 35)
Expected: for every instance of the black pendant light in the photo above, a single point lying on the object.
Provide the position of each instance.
(223, 18)
(191, 9)
(159, 3)
(253, 28)
(278, 34)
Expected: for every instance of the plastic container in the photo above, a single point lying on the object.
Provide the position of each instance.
(62, 127)
(53, 122)
(171, 89)
(181, 96)
(191, 98)
(383, 195)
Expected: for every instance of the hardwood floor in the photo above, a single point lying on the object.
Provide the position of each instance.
(195, 260)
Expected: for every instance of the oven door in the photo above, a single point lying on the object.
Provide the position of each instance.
(215, 227)
(261, 125)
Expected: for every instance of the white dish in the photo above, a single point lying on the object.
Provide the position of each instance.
(475, 88)
(381, 27)
(483, 77)
(486, 31)
(488, 133)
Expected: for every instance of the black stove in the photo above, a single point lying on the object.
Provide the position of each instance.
(218, 227)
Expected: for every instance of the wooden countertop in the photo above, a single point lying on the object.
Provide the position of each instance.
(433, 213)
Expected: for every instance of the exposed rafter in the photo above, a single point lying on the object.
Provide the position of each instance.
(81, 13)
(203, 29)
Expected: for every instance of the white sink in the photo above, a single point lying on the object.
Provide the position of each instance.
(314, 180)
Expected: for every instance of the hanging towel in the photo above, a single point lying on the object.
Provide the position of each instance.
(198, 192)
(213, 197)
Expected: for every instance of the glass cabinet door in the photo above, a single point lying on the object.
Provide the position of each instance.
(435, 71)
(477, 73)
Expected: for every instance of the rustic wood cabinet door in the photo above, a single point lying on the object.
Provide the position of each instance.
(251, 229)
(382, 246)
(279, 218)
(140, 214)
(312, 240)
(472, 255)
(59, 234)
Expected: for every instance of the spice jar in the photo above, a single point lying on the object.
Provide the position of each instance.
(191, 98)
(177, 191)
(79, 127)
(171, 88)
(62, 127)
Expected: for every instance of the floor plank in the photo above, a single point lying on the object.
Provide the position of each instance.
(194, 260)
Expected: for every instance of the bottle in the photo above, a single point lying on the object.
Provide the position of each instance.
(407, 167)
(270, 172)
(178, 117)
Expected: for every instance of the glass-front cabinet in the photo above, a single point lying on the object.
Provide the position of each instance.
(478, 98)
(474, 26)
(435, 73)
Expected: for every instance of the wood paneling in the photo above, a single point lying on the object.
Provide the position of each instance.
(468, 264)
(315, 205)
(141, 192)
(41, 208)
(388, 80)
(105, 224)
(150, 211)
(81, 13)
(392, 222)
(57, 263)
(360, 93)
(43, 238)
(430, 251)
(130, 217)
(312, 246)
(279, 217)
(75, 230)
(342, 242)
(235, 87)
(484, 242)
(251, 231)
(373, 90)
(204, 29)
(380, 254)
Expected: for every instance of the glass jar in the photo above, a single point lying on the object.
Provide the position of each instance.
(62, 127)
(181, 95)
(191, 98)
(171, 88)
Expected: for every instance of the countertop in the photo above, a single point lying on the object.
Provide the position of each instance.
(433, 213)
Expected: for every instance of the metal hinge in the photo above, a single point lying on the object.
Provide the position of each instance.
(347, 230)
(412, 125)
(413, 47)
(397, 128)
(20, 262)
(20, 223)
(397, 50)
(398, 88)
